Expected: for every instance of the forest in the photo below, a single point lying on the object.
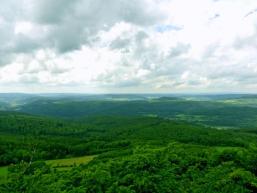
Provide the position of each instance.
(128, 144)
(128, 96)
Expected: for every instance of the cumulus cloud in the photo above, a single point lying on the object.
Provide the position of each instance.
(128, 46)
(66, 25)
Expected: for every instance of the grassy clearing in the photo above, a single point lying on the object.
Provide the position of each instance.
(69, 162)
(60, 164)
(3, 174)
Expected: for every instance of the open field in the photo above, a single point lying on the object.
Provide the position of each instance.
(60, 164)
(69, 162)
(3, 174)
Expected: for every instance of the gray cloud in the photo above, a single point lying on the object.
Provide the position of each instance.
(150, 59)
(140, 36)
(52, 12)
(89, 35)
(179, 50)
(216, 16)
(5, 58)
(127, 83)
(120, 43)
(75, 23)
(251, 12)
(24, 44)
(249, 41)
(65, 25)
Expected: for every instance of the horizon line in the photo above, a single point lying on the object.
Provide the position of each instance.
(132, 93)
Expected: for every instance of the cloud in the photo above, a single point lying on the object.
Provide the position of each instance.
(52, 12)
(216, 16)
(71, 24)
(249, 41)
(120, 43)
(179, 50)
(128, 46)
(251, 13)
(64, 25)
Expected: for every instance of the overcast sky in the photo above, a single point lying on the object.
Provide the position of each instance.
(105, 46)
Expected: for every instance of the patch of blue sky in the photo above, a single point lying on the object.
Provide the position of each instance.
(163, 28)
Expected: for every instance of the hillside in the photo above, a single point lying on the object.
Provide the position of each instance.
(223, 111)
(134, 154)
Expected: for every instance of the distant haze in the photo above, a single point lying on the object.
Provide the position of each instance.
(128, 46)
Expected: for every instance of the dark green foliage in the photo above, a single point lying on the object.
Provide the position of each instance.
(26, 137)
(215, 112)
(135, 154)
(173, 168)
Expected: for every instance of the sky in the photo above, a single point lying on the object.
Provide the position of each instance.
(128, 46)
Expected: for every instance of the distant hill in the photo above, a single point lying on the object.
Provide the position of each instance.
(223, 111)
(218, 113)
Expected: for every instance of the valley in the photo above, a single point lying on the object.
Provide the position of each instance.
(161, 144)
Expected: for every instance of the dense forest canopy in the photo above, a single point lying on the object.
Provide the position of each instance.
(128, 145)
(128, 96)
(223, 111)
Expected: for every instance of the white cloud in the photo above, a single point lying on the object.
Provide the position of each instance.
(23, 28)
(128, 46)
